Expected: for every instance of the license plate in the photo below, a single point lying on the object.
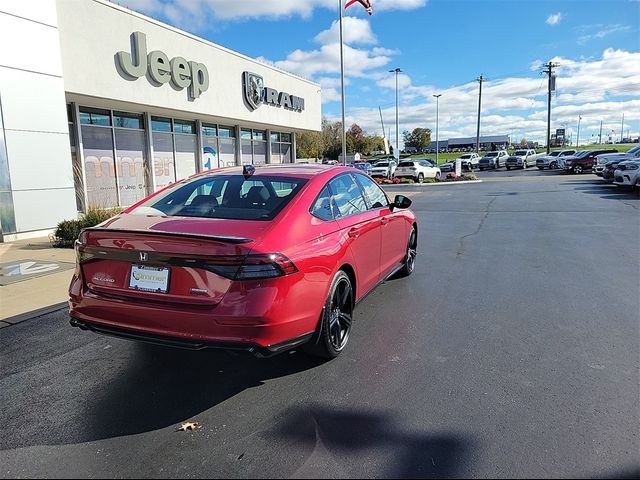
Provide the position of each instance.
(149, 279)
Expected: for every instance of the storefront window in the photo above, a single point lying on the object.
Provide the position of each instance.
(245, 134)
(226, 131)
(128, 120)
(183, 126)
(163, 163)
(186, 152)
(227, 151)
(99, 167)
(130, 165)
(159, 124)
(209, 130)
(95, 116)
(280, 147)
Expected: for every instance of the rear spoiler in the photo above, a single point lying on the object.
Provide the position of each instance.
(217, 238)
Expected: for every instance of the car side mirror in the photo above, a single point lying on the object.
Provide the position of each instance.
(401, 202)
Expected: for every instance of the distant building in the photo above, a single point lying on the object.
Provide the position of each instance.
(355, 157)
(486, 142)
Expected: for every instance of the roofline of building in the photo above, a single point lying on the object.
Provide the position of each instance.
(173, 29)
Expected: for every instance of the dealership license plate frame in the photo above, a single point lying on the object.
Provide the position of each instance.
(161, 286)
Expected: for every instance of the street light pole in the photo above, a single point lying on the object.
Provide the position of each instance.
(578, 136)
(396, 152)
(437, 139)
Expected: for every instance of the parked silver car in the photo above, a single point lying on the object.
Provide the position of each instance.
(627, 174)
(551, 161)
(602, 160)
(521, 159)
(493, 159)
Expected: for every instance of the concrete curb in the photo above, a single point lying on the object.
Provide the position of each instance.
(22, 317)
(428, 184)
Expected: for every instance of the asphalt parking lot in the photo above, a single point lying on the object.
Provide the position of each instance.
(512, 351)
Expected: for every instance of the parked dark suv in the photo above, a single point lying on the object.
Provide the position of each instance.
(610, 168)
(584, 160)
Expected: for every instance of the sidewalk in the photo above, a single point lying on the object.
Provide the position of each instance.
(34, 278)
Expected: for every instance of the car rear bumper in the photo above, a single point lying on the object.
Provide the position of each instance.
(257, 316)
(189, 344)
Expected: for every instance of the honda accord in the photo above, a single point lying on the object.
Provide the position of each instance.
(262, 259)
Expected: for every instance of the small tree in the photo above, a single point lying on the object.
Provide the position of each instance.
(419, 138)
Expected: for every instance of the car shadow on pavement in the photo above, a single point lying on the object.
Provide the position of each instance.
(138, 388)
(330, 433)
(162, 387)
(611, 191)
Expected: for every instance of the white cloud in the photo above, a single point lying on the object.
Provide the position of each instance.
(554, 18)
(193, 13)
(604, 30)
(598, 89)
(355, 30)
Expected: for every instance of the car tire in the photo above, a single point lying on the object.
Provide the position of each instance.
(334, 326)
(577, 169)
(420, 178)
(409, 262)
(508, 168)
(553, 166)
(437, 176)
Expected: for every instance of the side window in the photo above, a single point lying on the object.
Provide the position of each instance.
(374, 194)
(322, 206)
(347, 196)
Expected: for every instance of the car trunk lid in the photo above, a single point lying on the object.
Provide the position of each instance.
(166, 259)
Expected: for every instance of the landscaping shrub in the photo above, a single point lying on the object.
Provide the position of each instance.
(407, 180)
(68, 231)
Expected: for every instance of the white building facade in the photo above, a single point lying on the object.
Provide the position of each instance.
(101, 106)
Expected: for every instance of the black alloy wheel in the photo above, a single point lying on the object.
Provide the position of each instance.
(334, 327)
(409, 262)
(577, 169)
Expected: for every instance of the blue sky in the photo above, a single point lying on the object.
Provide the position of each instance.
(442, 46)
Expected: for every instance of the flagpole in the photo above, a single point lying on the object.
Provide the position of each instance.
(344, 135)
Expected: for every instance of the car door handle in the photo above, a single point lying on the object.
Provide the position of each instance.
(384, 220)
(354, 233)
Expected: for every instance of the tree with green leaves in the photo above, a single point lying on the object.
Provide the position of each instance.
(419, 138)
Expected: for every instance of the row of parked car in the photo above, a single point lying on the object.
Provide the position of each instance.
(417, 169)
(621, 168)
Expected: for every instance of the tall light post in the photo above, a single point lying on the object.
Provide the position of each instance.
(578, 136)
(437, 140)
(396, 152)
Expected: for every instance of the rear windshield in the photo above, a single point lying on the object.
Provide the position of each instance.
(492, 154)
(406, 164)
(225, 196)
(520, 152)
(382, 164)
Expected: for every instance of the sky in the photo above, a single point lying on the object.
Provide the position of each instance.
(442, 47)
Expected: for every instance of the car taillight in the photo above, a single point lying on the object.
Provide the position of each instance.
(252, 267)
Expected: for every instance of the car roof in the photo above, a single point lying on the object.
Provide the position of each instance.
(282, 170)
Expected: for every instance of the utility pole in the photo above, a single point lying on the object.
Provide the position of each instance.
(578, 136)
(481, 79)
(600, 141)
(396, 152)
(552, 86)
(437, 142)
(622, 128)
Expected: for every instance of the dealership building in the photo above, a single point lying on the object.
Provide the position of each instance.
(101, 106)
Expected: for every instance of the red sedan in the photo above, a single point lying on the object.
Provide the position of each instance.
(259, 259)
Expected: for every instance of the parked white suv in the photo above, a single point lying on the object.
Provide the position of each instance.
(418, 169)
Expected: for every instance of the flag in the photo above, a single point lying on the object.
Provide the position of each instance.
(365, 3)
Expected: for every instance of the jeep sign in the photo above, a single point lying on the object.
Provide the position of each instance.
(180, 72)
